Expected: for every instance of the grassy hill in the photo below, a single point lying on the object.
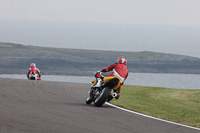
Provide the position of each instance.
(16, 58)
(177, 105)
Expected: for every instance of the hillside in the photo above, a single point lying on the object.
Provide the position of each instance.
(16, 58)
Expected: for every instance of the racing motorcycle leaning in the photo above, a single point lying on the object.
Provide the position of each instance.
(34, 76)
(105, 93)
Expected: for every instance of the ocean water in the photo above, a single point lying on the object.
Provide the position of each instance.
(177, 81)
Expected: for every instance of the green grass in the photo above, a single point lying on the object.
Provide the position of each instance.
(177, 105)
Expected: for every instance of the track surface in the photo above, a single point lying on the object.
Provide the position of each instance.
(53, 107)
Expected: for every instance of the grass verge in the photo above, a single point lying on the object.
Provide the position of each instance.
(177, 105)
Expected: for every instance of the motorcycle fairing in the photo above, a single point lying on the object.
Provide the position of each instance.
(112, 82)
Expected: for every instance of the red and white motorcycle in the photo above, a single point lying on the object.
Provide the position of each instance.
(34, 76)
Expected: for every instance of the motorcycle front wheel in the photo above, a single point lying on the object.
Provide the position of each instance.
(88, 100)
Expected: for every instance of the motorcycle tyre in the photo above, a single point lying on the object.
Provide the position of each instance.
(88, 101)
(103, 97)
(110, 97)
(32, 79)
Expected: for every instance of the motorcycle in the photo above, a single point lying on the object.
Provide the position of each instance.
(105, 93)
(34, 76)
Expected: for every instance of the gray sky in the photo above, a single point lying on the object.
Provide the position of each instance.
(166, 12)
(170, 26)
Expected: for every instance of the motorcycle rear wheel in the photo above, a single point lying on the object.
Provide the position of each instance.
(101, 99)
(110, 97)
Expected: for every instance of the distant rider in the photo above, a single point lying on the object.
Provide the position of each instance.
(33, 69)
(119, 70)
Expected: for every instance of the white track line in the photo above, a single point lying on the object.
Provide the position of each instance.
(150, 116)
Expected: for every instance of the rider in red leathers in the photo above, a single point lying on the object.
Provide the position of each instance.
(119, 70)
(34, 69)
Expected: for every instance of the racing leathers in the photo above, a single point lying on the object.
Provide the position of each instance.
(118, 70)
(34, 69)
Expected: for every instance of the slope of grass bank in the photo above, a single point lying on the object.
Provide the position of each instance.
(177, 105)
(65, 61)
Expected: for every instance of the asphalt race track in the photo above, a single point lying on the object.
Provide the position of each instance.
(58, 107)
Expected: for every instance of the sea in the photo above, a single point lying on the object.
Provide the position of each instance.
(166, 80)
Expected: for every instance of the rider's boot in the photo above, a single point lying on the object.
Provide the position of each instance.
(117, 97)
(98, 82)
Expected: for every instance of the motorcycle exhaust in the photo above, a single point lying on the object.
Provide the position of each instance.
(114, 94)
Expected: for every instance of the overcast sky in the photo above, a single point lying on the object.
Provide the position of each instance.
(170, 26)
(166, 12)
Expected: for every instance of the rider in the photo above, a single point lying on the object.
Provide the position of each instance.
(33, 69)
(119, 70)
